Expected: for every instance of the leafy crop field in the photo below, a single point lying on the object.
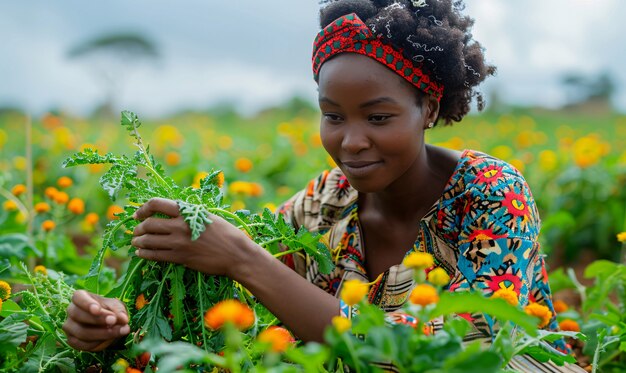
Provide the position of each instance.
(65, 228)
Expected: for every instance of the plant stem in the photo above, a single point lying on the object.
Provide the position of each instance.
(596, 353)
(282, 253)
(228, 214)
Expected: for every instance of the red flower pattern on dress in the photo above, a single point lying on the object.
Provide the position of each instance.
(515, 203)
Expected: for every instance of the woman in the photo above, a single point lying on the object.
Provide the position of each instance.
(387, 72)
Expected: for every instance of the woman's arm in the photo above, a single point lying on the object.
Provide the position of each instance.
(222, 249)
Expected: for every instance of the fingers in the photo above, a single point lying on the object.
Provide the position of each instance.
(159, 255)
(94, 338)
(154, 205)
(96, 310)
(154, 226)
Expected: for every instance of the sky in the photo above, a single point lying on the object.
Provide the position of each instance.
(256, 54)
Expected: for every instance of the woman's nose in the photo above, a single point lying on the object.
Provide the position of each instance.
(355, 139)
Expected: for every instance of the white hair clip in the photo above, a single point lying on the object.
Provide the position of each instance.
(435, 20)
(395, 5)
(476, 73)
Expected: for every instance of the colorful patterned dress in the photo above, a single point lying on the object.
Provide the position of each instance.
(483, 231)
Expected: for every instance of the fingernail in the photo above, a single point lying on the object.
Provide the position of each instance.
(94, 308)
(125, 329)
(135, 215)
(110, 320)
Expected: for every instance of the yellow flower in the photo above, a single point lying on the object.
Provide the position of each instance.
(239, 187)
(353, 291)
(18, 190)
(438, 277)
(19, 163)
(225, 142)
(172, 158)
(42, 207)
(518, 164)
(237, 205)
(9, 205)
(341, 323)
(278, 337)
(64, 182)
(140, 302)
(510, 296)
(76, 206)
(502, 152)
(196, 179)
(270, 206)
(560, 306)
(540, 311)
(0, 304)
(5, 290)
(569, 325)
(423, 295)
(229, 311)
(621, 237)
(48, 225)
(92, 218)
(419, 260)
(547, 160)
(243, 164)
(40, 270)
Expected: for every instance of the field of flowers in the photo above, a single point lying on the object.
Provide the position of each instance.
(55, 220)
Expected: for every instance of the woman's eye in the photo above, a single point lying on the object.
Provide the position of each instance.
(332, 117)
(379, 118)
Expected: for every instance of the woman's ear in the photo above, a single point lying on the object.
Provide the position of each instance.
(432, 110)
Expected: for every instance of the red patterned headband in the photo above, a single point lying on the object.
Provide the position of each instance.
(349, 34)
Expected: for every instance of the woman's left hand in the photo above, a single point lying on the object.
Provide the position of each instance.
(218, 250)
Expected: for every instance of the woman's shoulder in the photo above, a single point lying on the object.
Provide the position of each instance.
(479, 171)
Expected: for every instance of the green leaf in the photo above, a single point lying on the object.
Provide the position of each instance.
(13, 331)
(600, 268)
(130, 122)
(177, 293)
(89, 156)
(196, 216)
(474, 302)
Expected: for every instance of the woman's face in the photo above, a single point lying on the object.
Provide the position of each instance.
(372, 125)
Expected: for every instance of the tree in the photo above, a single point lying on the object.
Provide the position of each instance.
(110, 57)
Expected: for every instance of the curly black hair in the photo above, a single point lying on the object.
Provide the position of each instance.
(433, 33)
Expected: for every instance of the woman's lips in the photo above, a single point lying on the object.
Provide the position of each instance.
(360, 168)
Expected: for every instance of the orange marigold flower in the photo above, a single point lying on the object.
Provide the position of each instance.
(229, 311)
(341, 323)
(278, 337)
(18, 190)
(140, 302)
(64, 182)
(76, 206)
(540, 311)
(243, 164)
(48, 225)
(438, 277)
(353, 291)
(42, 207)
(256, 189)
(39, 269)
(423, 295)
(92, 218)
(112, 210)
(510, 296)
(172, 158)
(569, 325)
(220, 179)
(5, 290)
(133, 370)
(9, 205)
(61, 198)
(418, 260)
(50, 192)
(560, 306)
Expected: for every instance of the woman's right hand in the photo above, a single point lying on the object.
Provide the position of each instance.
(94, 322)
